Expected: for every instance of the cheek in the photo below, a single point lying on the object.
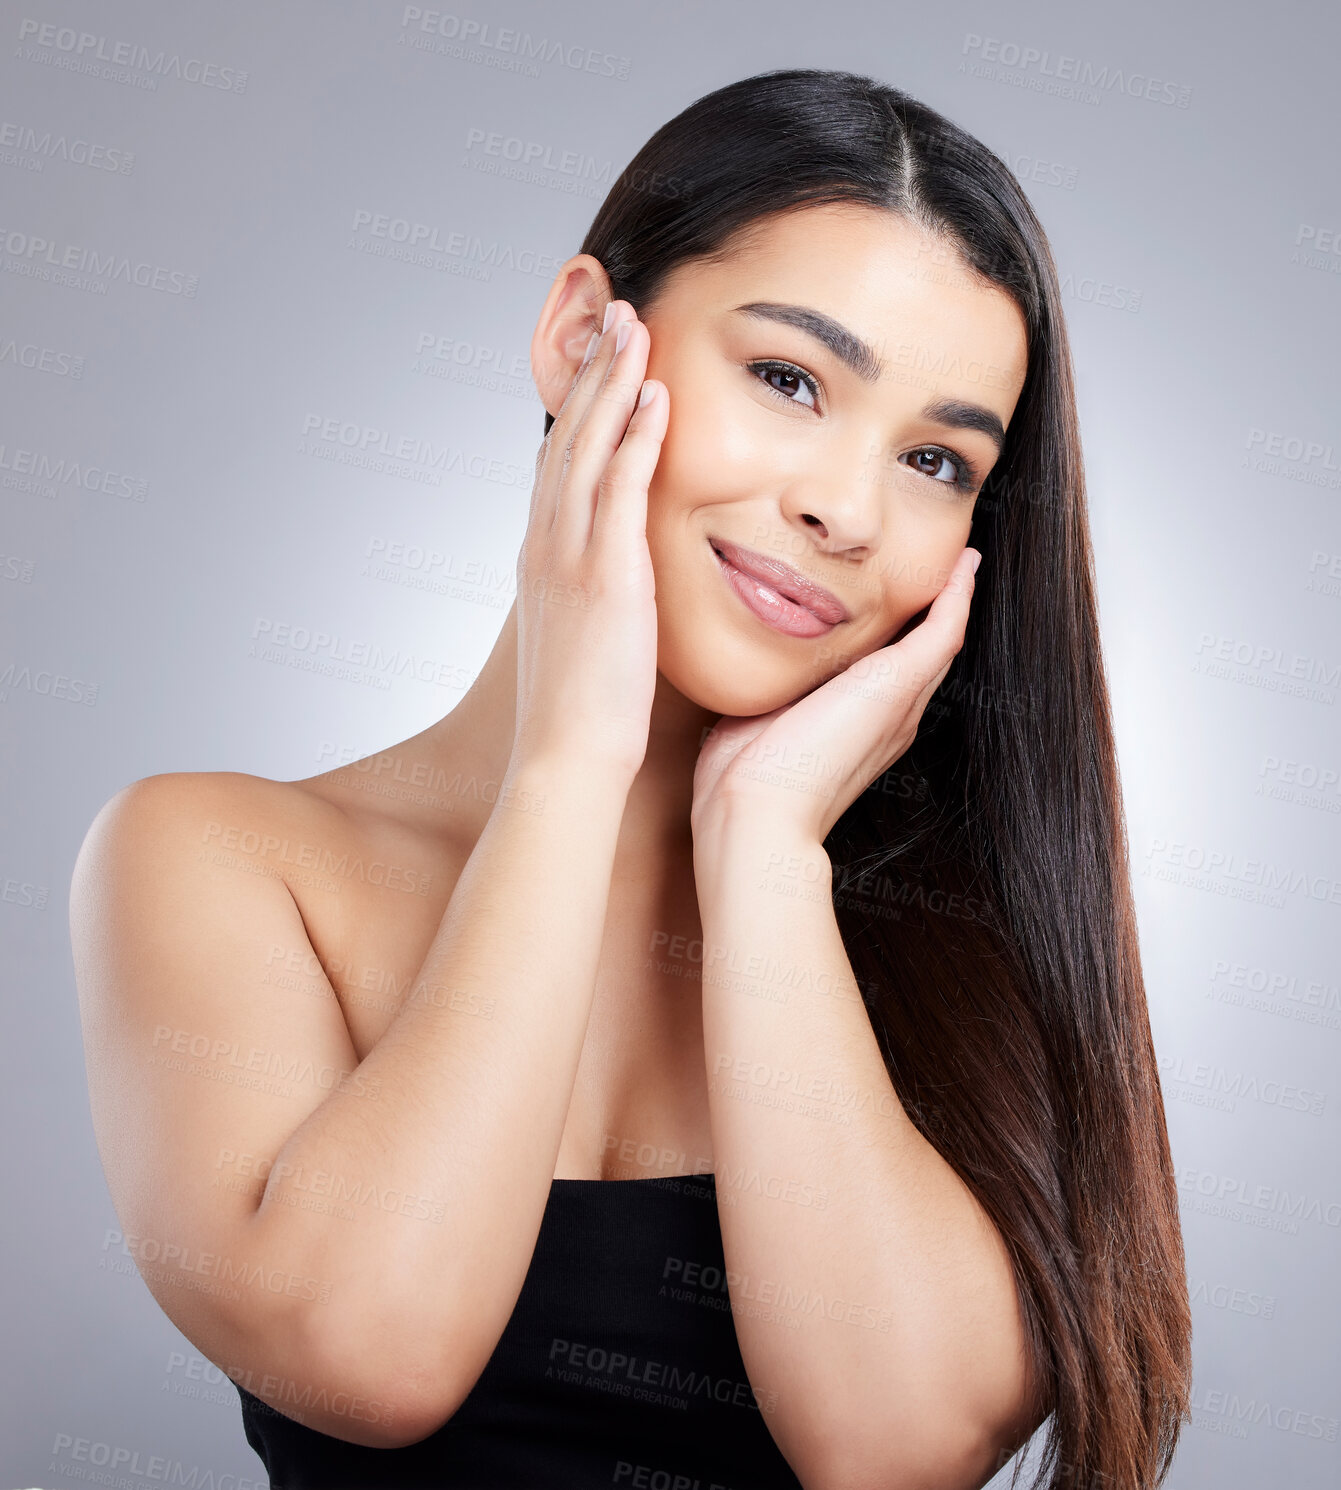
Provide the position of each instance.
(713, 447)
(917, 568)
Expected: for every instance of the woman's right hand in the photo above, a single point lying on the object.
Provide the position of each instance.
(586, 615)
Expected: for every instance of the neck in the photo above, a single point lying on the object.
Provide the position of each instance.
(476, 740)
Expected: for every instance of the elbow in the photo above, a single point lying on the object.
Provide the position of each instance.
(392, 1415)
(381, 1390)
(414, 1406)
(404, 1417)
(951, 1462)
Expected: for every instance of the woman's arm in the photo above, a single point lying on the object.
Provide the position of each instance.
(459, 1109)
(397, 1312)
(871, 1292)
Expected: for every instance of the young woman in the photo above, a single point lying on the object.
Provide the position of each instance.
(716, 1052)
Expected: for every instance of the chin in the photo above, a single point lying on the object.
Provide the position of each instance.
(735, 690)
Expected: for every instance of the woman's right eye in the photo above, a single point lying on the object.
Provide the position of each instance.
(788, 372)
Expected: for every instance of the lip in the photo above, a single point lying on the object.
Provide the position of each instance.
(781, 596)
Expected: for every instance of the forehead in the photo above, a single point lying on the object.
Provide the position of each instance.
(907, 293)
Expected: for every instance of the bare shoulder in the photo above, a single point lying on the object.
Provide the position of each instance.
(178, 804)
(189, 880)
(152, 868)
(158, 824)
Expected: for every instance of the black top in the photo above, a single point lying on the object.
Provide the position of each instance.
(619, 1366)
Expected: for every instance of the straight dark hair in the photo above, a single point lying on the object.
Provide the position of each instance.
(982, 885)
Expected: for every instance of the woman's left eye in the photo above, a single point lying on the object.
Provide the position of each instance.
(940, 465)
(789, 375)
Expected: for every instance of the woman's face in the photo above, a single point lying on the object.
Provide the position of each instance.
(856, 465)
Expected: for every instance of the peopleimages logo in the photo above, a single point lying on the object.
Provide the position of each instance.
(39, 146)
(447, 250)
(124, 1462)
(1273, 1200)
(37, 469)
(41, 359)
(82, 51)
(346, 440)
(1067, 77)
(505, 47)
(43, 258)
(1275, 453)
(1317, 248)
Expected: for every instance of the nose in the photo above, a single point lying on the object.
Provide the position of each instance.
(840, 506)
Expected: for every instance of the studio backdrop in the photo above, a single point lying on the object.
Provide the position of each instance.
(268, 277)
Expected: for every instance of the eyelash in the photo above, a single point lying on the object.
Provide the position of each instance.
(966, 478)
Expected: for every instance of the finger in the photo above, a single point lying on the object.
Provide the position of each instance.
(587, 378)
(620, 518)
(557, 449)
(923, 657)
(553, 450)
(904, 674)
(604, 421)
(581, 395)
(551, 455)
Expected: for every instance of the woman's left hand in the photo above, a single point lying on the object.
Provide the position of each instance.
(801, 766)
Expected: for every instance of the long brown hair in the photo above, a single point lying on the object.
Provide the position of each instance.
(982, 886)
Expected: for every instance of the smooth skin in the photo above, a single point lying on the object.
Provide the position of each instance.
(356, 1087)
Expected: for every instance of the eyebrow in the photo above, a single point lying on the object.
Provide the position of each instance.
(858, 355)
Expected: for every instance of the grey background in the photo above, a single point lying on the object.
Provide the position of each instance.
(1208, 397)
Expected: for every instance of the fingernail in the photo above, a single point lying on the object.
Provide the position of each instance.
(622, 335)
(591, 347)
(609, 316)
(977, 559)
(646, 396)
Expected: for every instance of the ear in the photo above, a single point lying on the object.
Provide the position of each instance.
(573, 309)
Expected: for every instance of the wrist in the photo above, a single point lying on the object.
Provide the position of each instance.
(735, 830)
(560, 777)
(749, 879)
(741, 813)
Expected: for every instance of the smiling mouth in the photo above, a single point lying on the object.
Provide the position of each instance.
(778, 595)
